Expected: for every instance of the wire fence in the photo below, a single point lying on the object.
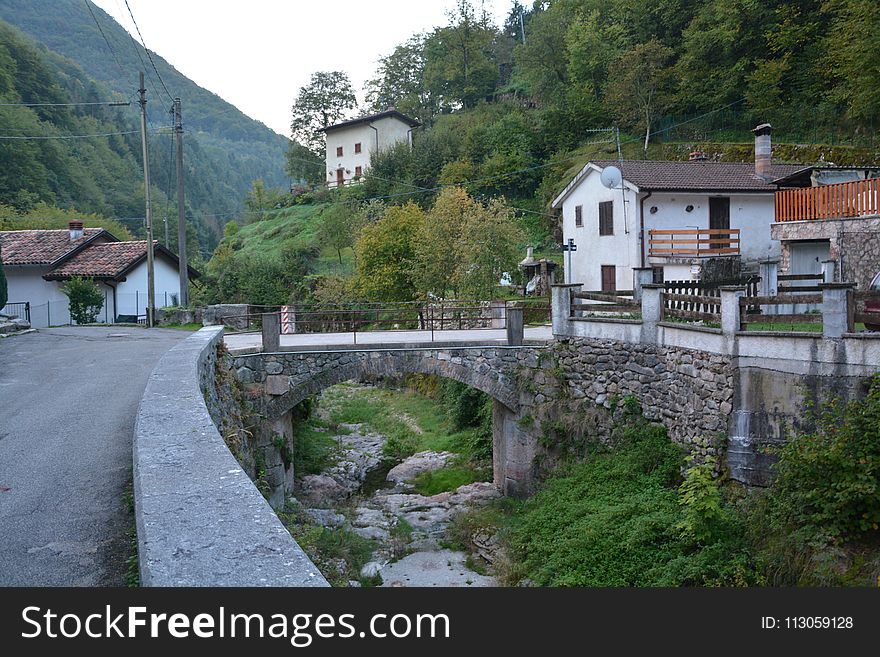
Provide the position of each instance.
(127, 308)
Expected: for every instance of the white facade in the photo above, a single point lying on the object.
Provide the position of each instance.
(49, 305)
(751, 213)
(350, 147)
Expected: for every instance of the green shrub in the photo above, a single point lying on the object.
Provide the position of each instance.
(829, 480)
(86, 299)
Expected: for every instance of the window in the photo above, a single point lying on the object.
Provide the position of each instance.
(358, 172)
(609, 278)
(357, 147)
(339, 151)
(578, 216)
(657, 275)
(606, 218)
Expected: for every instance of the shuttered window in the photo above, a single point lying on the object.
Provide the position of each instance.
(578, 216)
(606, 218)
(357, 147)
(339, 151)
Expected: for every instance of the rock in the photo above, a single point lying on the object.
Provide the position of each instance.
(439, 568)
(326, 517)
(371, 569)
(277, 384)
(487, 545)
(321, 488)
(373, 533)
(366, 517)
(418, 464)
(353, 583)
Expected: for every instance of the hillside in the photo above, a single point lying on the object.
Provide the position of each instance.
(224, 149)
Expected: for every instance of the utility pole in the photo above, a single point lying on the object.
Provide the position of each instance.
(181, 219)
(151, 290)
(522, 27)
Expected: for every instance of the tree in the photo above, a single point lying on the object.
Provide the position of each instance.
(325, 100)
(399, 82)
(85, 298)
(490, 246)
(459, 68)
(438, 241)
(339, 224)
(384, 255)
(260, 199)
(304, 166)
(640, 86)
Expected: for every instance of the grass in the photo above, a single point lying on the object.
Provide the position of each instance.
(184, 327)
(446, 479)
(314, 448)
(805, 328)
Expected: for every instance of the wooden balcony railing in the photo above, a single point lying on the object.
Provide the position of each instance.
(858, 198)
(694, 242)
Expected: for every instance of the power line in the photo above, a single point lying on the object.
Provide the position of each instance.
(106, 103)
(144, 44)
(107, 41)
(102, 134)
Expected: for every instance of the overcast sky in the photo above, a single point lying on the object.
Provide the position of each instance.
(256, 54)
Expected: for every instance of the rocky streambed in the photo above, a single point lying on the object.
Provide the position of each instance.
(361, 492)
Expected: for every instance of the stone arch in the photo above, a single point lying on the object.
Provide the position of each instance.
(495, 384)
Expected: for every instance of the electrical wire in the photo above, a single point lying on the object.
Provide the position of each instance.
(144, 44)
(106, 40)
(107, 103)
(102, 134)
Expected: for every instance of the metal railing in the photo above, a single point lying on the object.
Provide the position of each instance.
(20, 309)
(429, 317)
(858, 198)
(693, 242)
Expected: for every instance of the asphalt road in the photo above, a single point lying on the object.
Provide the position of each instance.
(68, 399)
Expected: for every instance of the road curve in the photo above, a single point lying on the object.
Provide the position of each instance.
(68, 399)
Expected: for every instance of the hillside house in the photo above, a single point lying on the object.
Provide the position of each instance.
(830, 214)
(38, 262)
(673, 217)
(351, 144)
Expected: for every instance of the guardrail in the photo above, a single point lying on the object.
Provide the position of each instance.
(853, 199)
(693, 242)
(20, 309)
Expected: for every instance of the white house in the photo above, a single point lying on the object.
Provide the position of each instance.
(670, 216)
(351, 144)
(38, 262)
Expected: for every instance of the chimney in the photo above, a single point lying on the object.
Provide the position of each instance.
(76, 230)
(763, 151)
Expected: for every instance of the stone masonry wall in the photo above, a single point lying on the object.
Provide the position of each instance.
(690, 392)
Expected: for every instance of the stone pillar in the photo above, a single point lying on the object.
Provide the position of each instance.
(641, 276)
(837, 309)
(769, 273)
(652, 311)
(730, 309)
(496, 313)
(513, 453)
(515, 327)
(271, 332)
(829, 271)
(561, 306)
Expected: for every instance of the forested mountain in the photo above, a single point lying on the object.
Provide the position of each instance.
(225, 151)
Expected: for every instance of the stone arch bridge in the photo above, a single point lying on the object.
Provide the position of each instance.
(280, 381)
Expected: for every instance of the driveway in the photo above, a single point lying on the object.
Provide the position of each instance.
(68, 399)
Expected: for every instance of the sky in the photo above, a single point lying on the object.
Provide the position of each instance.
(256, 54)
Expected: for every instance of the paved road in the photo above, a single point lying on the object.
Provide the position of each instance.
(390, 339)
(68, 399)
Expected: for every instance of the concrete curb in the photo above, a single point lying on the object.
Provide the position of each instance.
(200, 519)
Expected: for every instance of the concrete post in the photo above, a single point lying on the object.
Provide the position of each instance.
(560, 307)
(515, 327)
(837, 309)
(652, 311)
(271, 332)
(496, 313)
(641, 276)
(829, 271)
(731, 321)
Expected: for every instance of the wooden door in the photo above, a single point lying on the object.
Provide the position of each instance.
(340, 177)
(719, 219)
(609, 278)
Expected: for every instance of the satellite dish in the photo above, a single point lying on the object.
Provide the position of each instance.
(611, 177)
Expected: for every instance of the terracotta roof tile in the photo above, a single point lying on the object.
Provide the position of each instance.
(41, 247)
(101, 261)
(697, 175)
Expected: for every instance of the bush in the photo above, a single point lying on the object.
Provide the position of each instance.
(829, 480)
(86, 299)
